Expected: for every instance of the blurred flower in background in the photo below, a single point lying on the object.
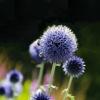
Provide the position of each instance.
(6, 89)
(14, 77)
(40, 95)
(12, 85)
(34, 50)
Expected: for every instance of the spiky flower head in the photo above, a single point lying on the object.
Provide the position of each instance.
(58, 43)
(40, 95)
(74, 66)
(34, 49)
(15, 76)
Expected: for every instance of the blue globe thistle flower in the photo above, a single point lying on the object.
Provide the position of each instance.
(6, 89)
(15, 76)
(58, 43)
(74, 66)
(34, 49)
(41, 96)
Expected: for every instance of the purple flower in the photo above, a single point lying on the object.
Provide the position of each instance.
(15, 76)
(41, 96)
(34, 49)
(58, 43)
(74, 66)
(6, 89)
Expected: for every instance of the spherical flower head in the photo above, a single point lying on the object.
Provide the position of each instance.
(6, 89)
(58, 43)
(41, 96)
(15, 76)
(74, 66)
(34, 49)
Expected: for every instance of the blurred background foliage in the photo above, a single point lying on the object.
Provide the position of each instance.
(23, 21)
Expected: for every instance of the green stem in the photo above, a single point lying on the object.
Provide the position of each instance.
(68, 88)
(52, 76)
(40, 74)
(72, 98)
(69, 83)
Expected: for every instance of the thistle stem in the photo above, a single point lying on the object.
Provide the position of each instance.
(40, 74)
(69, 83)
(68, 88)
(52, 76)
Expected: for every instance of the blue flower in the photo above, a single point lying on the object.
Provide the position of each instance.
(34, 49)
(6, 89)
(58, 43)
(15, 76)
(41, 96)
(74, 66)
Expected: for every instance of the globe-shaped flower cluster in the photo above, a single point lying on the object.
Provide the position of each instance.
(58, 43)
(12, 84)
(6, 89)
(34, 49)
(74, 66)
(41, 96)
(15, 76)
